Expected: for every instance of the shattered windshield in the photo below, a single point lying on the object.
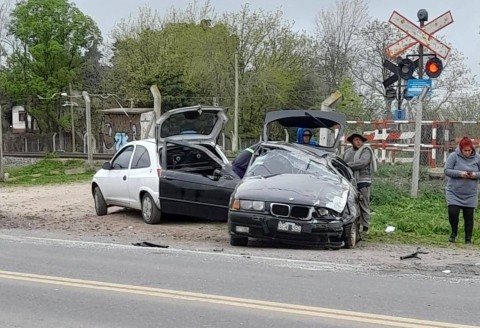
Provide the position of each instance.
(279, 161)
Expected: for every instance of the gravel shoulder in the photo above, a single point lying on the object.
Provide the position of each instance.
(67, 212)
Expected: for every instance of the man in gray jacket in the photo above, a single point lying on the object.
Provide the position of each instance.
(361, 160)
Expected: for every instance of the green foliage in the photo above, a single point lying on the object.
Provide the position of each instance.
(52, 36)
(351, 105)
(421, 220)
(49, 170)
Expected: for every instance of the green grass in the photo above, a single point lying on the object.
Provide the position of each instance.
(422, 220)
(48, 171)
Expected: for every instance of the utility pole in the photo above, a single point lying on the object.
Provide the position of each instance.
(71, 117)
(417, 144)
(2, 177)
(157, 108)
(86, 97)
(422, 17)
(235, 117)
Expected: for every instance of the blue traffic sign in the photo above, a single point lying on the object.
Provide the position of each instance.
(415, 87)
(399, 114)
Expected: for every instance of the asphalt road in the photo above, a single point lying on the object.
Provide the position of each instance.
(54, 283)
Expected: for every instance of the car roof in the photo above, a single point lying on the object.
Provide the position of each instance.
(142, 141)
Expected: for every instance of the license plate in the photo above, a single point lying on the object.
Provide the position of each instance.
(289, 227)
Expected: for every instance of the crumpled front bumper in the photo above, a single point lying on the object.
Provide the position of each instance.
(266, 227)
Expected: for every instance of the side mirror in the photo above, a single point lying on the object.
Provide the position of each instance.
(107, 166)
(217, 174)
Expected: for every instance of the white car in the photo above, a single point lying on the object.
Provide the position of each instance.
(134, 176)
(130, 180)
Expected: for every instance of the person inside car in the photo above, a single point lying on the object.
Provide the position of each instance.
(241, 161)
(305, 136)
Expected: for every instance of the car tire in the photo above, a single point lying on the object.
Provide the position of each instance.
(238, 241)
(100, 204)
(150, 212)
(351, 235)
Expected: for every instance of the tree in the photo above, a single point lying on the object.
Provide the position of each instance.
(54, 36)
(275, 66)
(337, 39)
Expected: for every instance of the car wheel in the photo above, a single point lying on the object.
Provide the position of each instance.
(150, 212)
(238, 241)
(100, 204)
(351, 234)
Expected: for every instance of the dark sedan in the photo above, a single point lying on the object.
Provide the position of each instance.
(295, 193)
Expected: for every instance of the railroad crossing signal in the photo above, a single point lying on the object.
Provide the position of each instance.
(415, 35)
(434, 67)
(404, 70)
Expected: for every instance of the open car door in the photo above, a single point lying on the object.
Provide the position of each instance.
(194, 181)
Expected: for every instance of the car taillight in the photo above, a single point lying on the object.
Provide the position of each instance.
(159, 172)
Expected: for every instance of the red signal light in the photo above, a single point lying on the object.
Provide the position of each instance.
(433, 67)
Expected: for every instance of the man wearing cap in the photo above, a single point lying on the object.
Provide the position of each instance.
(361, 160)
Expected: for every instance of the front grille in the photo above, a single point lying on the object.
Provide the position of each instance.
(300, 212)
(280, 210)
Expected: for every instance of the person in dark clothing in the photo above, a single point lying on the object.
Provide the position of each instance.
(240, 163)
(305, 136)
(462, 170)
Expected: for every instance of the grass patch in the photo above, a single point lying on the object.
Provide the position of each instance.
(49, 171)
(422, 220)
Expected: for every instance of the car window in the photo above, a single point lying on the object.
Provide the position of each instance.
(280, 162)
(123, 159)
(189, 123)
(141, 158)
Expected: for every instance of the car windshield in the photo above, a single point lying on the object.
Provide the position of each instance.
(191, 122)
(279, 161)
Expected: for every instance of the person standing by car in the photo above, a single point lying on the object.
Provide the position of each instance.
(241, 161)
(462, 170)
(361, 159)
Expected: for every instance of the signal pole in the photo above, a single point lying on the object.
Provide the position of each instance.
(422, 17)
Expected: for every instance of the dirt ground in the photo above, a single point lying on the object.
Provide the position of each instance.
(67, 212)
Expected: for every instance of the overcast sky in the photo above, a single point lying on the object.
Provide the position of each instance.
(463, 33)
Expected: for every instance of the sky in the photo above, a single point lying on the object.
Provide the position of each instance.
(462, 34)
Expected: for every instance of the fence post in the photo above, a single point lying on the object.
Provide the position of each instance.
(433, 153)
(384, 141)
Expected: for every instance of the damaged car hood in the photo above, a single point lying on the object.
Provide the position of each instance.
(306, 189)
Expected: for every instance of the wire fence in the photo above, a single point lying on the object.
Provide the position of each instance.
(393, 141)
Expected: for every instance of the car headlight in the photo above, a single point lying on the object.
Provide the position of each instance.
(252, 205)
(322, 211)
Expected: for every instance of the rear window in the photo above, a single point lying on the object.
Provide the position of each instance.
(191, 122)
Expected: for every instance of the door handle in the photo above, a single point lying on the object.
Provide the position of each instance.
(124, 177)
(168, 178)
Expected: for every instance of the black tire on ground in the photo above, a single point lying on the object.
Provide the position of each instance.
(150, 212)
(351, 234)
(238, 241)
(100, 204)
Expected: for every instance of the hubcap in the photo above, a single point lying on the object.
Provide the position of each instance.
(147, 208)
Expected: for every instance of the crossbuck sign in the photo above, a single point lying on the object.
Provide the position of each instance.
(416, 34)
